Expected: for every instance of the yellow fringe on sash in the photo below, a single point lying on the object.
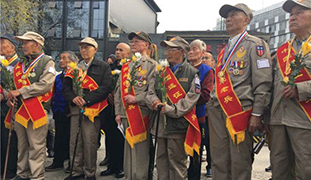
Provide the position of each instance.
(189, 150)
(132, 140)
(40, 122)
(91, 113)
(21, 120)
(238, 136)
(7, 125)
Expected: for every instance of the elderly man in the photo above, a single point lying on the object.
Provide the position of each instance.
(242, 84)
(60, 110)
(131, 108)
(8, 50)
(195, 56)
(290, 120)
(33, 78)
(208, 59)
(96, 87)
(175, 126)
(114, 138)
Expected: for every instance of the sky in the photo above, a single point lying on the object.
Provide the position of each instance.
(200, 15)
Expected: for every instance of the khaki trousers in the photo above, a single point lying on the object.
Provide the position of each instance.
(290, 153)
(171, 159)
(31, 150)
(136, 160)
(229, 161)
(86, 153)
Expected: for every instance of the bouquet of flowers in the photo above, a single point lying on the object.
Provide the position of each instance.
(135, 72)
(295, 67)
(161, 80)
(7, 75)
(115, 76)
(78, 76)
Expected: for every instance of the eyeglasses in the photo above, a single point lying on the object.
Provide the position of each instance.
(169, 49)
(204, 57)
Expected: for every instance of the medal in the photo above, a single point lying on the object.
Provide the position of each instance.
(222, 80)
(33, 74)
(221, 74)
(236, 72)
(23, 76)
(230, 70)
(241, 72)
(24, 82)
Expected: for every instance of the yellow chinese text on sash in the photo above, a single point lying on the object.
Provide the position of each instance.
(285, 55)
(31, 108)
(88, 83)
(237, 118)
(193, 136)
(138, 125)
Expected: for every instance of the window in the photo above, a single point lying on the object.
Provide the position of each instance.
(78, 19)
(98, 19)
(52, 19)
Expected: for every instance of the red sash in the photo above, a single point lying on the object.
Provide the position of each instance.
(138, 125)
(237, 119)
(31, 108)
(175, 92)
(284, 58)
(88, 83)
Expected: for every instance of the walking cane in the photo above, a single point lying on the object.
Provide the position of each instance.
(76, 144)
(9, 142)
(154, 146)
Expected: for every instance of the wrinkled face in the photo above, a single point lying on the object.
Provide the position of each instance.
(138, 45)
(208, 59)
(174, 55)
(236, 22)
(122, 52)
(195, 53)
(29, 47)
(64, 60)
(6, 48)
(300, 19)
(87, 51)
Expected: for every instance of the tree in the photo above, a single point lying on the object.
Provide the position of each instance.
(19, 16)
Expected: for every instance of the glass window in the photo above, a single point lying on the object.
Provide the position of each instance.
(98, 19)
(78, 19)
(52, 19)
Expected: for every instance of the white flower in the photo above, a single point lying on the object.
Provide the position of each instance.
(164, 63)
(2, 58)
(137, 55)
(117, 71)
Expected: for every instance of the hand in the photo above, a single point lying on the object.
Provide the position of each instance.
(118, 119)
(155, 104)
(130, 99)
(11, 103)
(111, 98)
(254, 124)
(79, 101)
(163, 107)
(290, 92)
(13, 94)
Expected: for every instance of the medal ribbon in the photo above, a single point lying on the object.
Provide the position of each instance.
(12, 59)
(88, 83)
(285, 55)
(175, 92)
(138, 125)
(242, 36)
(237, 118)
(32, 64)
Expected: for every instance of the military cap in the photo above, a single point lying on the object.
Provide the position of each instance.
(176, 42)
(31, 36)
(289, 4)
(142, 35)
(225, 9)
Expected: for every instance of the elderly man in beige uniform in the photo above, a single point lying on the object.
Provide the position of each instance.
(136, 147)
(242, 83)
(171, 155)
(290, 124)
(34, 78)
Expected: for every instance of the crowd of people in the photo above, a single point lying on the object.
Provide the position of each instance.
(177, 106)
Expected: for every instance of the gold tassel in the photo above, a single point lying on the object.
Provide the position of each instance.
(236, 137)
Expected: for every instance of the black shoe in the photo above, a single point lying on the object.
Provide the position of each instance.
(90, 178)
(74, 177)
(107, 172)
(10, 175)
(208, 172)
(268, 169)
(19, 178)
(105, 162)
(120, 174)
(54, 167)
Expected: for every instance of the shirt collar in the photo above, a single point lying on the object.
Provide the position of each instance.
(233, 40)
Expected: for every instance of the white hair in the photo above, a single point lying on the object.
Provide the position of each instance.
(199, 43)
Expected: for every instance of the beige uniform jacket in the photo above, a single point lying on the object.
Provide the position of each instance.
(44, 84)
(289, 112)
(181, 108)
(253, 83)
(140, 91)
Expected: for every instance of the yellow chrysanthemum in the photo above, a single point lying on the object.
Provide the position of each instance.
(72, 65)
(113, 73)
(123, 61)
(305, 48)
(5, 62)
(159, 67)
(286, 79)
(143, 72)
(134, 58)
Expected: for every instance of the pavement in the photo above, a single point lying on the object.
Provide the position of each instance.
(260, 163)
